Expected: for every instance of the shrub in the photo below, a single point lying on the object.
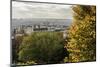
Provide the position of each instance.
(43, 48)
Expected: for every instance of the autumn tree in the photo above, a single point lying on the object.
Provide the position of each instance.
(81, 44)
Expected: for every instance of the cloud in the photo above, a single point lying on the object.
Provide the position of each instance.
(40, 10)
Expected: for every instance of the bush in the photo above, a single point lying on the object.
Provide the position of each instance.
(43, 48)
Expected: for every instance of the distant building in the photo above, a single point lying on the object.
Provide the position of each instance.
(20, 29)
(28, 29)
(40, 28)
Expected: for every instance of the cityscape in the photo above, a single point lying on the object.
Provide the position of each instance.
(43, 26)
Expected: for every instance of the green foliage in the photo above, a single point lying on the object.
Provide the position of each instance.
(42, 47)
(82, 34)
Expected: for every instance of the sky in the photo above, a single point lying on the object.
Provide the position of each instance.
(25, 10)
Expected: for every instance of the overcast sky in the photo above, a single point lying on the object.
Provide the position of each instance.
(40, 10)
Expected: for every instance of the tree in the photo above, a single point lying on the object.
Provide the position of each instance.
(15, 48)
(43, 48)
(82, 34)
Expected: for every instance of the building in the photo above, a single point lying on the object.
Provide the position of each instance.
(28, 29)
